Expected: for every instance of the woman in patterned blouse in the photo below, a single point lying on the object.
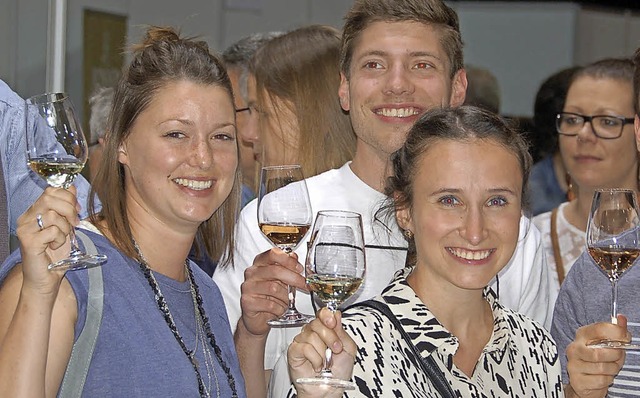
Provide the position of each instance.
(457, 191)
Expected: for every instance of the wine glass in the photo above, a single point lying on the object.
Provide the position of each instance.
(613, 241)
(334, 267)
(57, 151)
(284, 217)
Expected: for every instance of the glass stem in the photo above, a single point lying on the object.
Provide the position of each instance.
(292, 299)
(328, 354)
(75, 250)
(614, 301)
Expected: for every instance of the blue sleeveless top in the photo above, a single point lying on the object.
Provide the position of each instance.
(136, 353)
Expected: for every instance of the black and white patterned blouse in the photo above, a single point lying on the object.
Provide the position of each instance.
(520, 359)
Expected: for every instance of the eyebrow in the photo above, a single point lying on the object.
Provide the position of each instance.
(492, 190)
(189, 122)
(413, 54)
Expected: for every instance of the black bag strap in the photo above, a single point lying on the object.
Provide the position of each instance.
(428, 364)
(82, 351)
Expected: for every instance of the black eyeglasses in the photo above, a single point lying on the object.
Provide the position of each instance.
(247, 109)
(603, 126)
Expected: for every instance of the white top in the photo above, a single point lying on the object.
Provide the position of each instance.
(519, 360)
(523, 283)
(572, 242)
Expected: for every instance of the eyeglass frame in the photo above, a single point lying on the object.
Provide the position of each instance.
(247, 108)
(585, 119)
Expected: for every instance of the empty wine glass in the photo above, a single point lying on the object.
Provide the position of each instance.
(57, 151)
(335, 267)
(284, 217)
(613, 241)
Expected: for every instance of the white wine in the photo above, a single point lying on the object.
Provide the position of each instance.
(58, 173)
(333, 288)
(614, 261)
(285, 236)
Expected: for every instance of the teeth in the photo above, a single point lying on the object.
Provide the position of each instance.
(192, 184)
(397, 112)
(470, 255)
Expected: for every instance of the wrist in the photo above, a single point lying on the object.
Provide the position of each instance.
(243, 333)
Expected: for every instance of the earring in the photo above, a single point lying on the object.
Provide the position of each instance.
(571, 195)
(408, 235)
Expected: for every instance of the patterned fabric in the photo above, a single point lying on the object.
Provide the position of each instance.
(572, 242)
(520, 360)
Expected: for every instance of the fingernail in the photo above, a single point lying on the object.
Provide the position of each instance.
(337, 346)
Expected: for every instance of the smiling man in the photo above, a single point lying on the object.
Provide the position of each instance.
(398, 59)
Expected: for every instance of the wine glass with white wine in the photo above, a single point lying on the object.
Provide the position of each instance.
(284, 217)
(613, 241)
(335, 267)
(57, 151)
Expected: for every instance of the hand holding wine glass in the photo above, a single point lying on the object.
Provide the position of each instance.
(57, 151)
(284, 217)
(613, 241)
(335, 268)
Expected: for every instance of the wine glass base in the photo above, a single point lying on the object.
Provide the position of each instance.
(290, 319)
(620, 345)
(327, 382)
(80, 261)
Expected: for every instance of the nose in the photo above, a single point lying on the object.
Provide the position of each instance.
(249, 130)
(398, 81)
(473, 228)
(586, 133)
(201, 153)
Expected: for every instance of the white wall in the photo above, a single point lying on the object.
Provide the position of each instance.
(522, 43)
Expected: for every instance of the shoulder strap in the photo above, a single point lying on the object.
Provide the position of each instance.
(557, 255)
(82, 352)
(428, 364)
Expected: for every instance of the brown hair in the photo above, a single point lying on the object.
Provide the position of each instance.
(300, 68)
(428, 12)
(462, 124)
(636, 82)
(163, 57)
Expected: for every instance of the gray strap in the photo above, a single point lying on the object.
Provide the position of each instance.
(78, 366)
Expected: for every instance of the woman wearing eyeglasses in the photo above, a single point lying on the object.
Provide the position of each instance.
(598, 148)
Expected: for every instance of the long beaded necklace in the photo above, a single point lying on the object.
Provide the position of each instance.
(202, 321)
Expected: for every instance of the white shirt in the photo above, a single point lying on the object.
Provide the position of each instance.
(523, 283)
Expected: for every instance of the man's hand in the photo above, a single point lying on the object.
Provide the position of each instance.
(265, 293)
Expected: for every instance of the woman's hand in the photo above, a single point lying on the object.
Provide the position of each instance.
(307, 352)
(43, 230)
(592, 370)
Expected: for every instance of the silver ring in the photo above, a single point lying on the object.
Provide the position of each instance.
(39, 221)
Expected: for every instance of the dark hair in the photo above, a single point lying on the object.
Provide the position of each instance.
(162, 58)
(483, 89)
(463, 124)
(428, 12)
(300, 69)
(549, 102)
(636, 82)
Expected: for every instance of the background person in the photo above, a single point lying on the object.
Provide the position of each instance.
(236, 59)
(100, 103)
(296, 78)
(581, 310)
(169, 173)
(599, 153)
(548, 187)
(460, 210)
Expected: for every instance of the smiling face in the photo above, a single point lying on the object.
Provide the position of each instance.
(465, 212)
(398, 71)
(181, 155)
(593, 162)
